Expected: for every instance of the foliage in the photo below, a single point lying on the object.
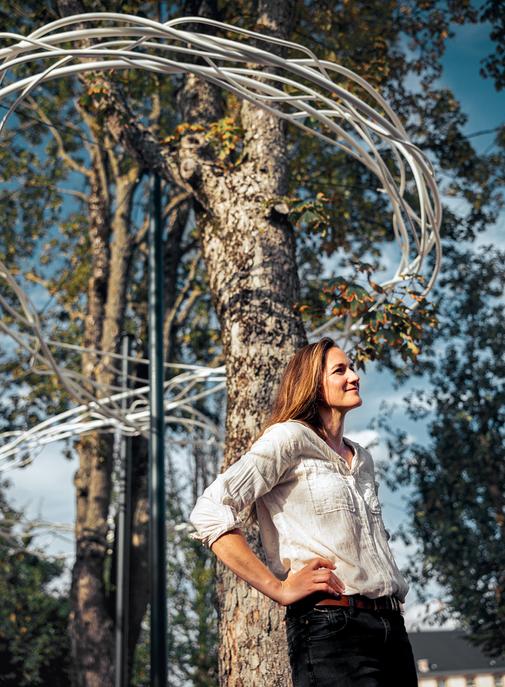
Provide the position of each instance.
(192, 617)
(493, 64)
(388, 323)
(457, 477)
(333, 201)
(192, 609)
(225, 137)
(34, 646)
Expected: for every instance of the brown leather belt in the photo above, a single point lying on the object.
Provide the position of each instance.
(358, 601)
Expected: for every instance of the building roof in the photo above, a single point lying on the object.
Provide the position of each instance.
(449, 651)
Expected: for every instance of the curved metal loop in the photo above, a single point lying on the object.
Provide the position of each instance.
(302, 89)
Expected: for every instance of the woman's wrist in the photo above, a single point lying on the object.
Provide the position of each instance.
(232, 549)
(274, 590)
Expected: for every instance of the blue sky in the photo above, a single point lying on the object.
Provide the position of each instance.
(45, 489)
(484, 106)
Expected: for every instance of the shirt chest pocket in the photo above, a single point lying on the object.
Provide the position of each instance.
(369, 490)
(327, 487)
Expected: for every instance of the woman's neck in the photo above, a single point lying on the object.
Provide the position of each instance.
(332, 425)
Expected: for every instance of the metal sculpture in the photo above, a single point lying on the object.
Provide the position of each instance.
(304, 90)
(300, 89)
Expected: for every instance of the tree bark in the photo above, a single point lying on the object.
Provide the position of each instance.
(249, 252)
(90, 622)
(91, 619)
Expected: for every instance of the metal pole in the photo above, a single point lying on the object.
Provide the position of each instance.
(156, 447)
(124, 541)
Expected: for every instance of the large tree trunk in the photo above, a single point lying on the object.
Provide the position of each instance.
(260, 331)
(250, 258)
(91, 620)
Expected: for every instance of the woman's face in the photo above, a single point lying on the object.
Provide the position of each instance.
(340, 381)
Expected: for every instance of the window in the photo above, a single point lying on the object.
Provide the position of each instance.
(423, 665)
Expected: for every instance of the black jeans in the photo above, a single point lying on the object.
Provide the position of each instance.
(339, 646)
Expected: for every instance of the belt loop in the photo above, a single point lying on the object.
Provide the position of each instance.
(352, 602)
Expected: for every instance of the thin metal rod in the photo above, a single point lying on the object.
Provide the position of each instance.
(124, 539)
(306, 91)
(156, 447)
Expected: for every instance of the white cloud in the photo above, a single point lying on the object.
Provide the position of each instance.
(44, 491)
(364, 437)
(419, 615)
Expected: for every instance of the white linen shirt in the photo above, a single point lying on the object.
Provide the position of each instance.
(309, 503)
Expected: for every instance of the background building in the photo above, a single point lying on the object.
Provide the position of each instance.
(445, 658)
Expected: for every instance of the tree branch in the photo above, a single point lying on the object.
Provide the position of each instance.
(170, 207)
(65, 156)
(171, 317)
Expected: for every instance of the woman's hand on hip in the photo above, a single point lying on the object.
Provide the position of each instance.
(316, 576)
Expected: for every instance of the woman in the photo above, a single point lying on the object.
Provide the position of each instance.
(321, 528)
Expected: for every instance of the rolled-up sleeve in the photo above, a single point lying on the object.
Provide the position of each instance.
(254, 474)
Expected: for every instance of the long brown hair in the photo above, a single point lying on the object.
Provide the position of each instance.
(300, 390)
(298, 395)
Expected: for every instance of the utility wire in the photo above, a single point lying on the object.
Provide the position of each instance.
(486, 131)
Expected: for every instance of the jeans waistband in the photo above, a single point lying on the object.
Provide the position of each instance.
(355, 601)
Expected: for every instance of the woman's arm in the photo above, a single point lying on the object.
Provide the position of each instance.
(216, 521)
(317, 576)
(254, 474)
